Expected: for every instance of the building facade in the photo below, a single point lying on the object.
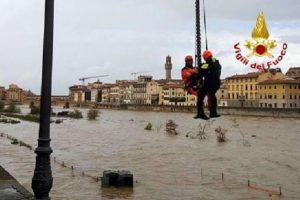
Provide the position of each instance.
(294, 73)
(77, 94)
(15, 94)
(2, 93)
(279, 94)
(242, 90)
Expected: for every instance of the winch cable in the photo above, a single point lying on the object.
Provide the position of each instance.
(205, 29)
(198, 35)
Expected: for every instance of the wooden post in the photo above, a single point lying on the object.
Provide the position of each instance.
(280, 193)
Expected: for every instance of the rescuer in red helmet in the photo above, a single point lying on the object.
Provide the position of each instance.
(189, 75)
(209, 74)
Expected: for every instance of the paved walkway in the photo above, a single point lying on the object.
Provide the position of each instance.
(11, 189)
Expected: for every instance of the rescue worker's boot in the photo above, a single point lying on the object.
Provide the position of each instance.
(213, 113)
(201, 115)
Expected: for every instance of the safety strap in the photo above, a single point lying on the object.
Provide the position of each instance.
(204, 66)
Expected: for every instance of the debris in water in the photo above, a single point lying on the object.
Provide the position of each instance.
(171, 127)
(117, 178)
(148, 127)
(58, 121)
(221, 134)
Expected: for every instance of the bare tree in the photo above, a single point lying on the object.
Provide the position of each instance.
(201, 132)
(237, 126)
(221, 134)
(171, 127)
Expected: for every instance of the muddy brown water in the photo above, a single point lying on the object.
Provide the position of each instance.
(164, 166)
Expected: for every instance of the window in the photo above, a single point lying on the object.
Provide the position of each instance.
(291, 97)
(275, 87)
(295, 87)
(291, 105)
(259, 87)
(275, 96)
(246, 87)
(283, 105)
(290, 87)
(295, 105)
(269, 96)
(283, 87)
(260, 97)
(270, 87)
(266, 105)
(261, 105)
(283, 96)
(250, 87)
(265, 87)
(275, 105)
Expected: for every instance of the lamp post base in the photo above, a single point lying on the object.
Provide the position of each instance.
(42, 179)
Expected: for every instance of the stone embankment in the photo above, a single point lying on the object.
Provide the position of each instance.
(11, 189)
(257, 112)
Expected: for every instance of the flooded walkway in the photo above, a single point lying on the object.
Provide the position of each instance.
(165, 166)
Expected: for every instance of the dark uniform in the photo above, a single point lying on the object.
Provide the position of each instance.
(210, 73)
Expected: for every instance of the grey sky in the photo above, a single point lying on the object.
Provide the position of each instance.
(117, 37)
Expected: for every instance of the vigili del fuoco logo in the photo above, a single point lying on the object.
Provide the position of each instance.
(260, 48)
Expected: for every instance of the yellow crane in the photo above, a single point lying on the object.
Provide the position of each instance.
(136, 73)
(85, 78)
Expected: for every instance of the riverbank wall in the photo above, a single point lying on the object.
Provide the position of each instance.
(257, 112)
(11, 189)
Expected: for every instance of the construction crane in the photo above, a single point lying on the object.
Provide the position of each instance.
(136, 73)
(85, 78)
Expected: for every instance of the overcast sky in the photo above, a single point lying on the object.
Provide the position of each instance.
(117, 37)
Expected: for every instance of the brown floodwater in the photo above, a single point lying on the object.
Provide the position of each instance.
(165, 167)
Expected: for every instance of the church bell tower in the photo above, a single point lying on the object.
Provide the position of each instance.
(168, 67)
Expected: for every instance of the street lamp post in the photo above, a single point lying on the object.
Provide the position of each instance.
(42, 179)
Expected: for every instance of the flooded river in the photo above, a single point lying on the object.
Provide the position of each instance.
(166, 167)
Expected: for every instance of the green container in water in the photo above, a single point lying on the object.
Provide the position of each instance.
(117, 178)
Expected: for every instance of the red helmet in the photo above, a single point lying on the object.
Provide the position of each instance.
(207, 54)
(188, 58)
